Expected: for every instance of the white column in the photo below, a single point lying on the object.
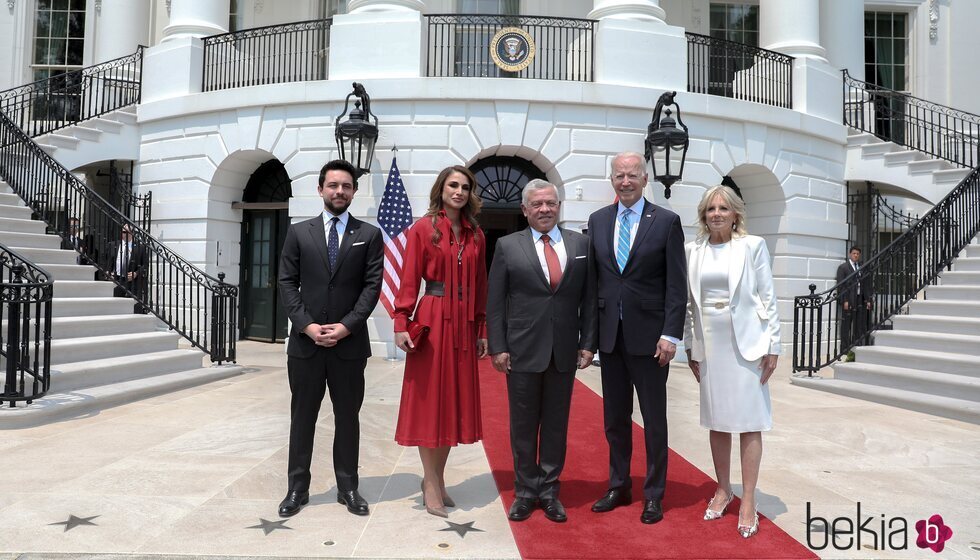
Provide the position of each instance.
(378, 39)
(121, 26)
(628, 9)
(842, 35)
(791, 27)
(361, 6)
(635, 47)
(196, 18)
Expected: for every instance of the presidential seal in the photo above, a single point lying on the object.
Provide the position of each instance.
(512, 49)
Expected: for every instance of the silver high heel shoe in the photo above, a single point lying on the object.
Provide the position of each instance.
(711, 515)
(748, 530)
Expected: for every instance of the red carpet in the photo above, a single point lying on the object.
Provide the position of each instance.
(619, 533)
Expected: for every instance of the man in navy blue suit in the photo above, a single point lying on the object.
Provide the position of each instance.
(642, 277)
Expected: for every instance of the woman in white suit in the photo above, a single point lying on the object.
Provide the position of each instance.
(732, 341)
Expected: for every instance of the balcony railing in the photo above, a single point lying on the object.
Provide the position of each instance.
(275, 54)
(895, 116)
(25, 337)
(460, 46)
(740, 71)
(67, 99)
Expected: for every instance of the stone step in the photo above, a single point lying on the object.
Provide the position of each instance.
(960, 277)
(84, 132)
(91, 373)
(38, 240)
(10, 199)
(105, 125)
(967, 264)
(917, 359)
(86, 402)
(70, 271)
(44, 257)
(857, 138)
(921, 381)
(60, 140)
(97, 325)
(950, 309)
(972, 250)
(924, 166)
(65, 351)
(947, 407)
(969, 326)
(936, 342)
(84, 307)
(949, 175)
(903, 157)
(22, 225)
(126, 115)
(16, 212)
(953, 292)
(876, 149)
(82, 288)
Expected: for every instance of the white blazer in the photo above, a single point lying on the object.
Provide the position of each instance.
(751, 294)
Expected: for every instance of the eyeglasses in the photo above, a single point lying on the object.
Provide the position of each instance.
(546, 203)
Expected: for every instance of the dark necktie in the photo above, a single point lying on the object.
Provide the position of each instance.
(333, 242)
(554, 267)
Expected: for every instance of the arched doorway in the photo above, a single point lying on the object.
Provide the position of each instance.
(500, 181)
(265, 220)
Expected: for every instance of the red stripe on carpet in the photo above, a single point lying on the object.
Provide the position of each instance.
(619, 533)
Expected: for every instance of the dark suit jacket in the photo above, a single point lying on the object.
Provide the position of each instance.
(527, 319)
(347, 294)
(139, 262)
(652, 288)
(849, 292)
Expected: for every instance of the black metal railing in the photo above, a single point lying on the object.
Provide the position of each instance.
(25, 334)
(275, 54)
(895, 116)
(729, 69)
(874, 222)
(459, 46)
(133, 205)
(66, 99)
(199, 307)
(889, 280)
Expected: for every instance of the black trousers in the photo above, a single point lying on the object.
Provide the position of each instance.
(309, 380)
(854, 321)
(621, 373)
(539, 404)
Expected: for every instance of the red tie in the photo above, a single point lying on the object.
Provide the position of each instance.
(554, 267)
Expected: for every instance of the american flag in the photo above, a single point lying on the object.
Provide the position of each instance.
(394, 217)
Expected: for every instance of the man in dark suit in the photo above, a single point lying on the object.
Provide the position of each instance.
(541, 325)
(131, 267)
(855, 297)
(641, 270)
(329, 281)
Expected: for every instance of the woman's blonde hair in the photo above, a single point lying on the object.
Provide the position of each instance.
(732, 200)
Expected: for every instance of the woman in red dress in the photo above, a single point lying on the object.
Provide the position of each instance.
(440, 404)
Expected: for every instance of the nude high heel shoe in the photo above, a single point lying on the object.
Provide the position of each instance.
(436, 511)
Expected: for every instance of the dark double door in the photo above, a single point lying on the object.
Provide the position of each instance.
(263, 315)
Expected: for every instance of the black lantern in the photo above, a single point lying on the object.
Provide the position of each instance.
(357, 135)
(666, 145)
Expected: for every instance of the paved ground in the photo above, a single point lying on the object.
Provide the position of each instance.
(200, 473)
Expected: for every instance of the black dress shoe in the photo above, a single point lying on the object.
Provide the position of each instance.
(292, 503)
(554, 511)
(354, 502)
(612, 500)
(652, 512)
(521, 509)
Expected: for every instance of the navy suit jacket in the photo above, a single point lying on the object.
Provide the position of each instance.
(651, 290)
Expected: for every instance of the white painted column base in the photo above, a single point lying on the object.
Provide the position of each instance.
(818, 89)
(376, 45)
(641, 53)
(173, 69)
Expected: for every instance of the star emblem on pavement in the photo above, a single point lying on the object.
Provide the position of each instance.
(270, 526)
(74, 521)
(462, 528)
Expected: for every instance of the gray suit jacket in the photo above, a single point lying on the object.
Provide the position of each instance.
(314, 293)
(527, 319)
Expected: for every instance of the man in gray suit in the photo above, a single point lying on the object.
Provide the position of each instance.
(329, 281)
(541, 325)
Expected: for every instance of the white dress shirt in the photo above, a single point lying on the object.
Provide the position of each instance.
(556, 243)
(341, 226)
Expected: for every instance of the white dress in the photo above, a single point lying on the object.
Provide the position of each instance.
(732, 398)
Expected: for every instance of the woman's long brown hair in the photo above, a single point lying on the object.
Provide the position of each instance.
(469, 211)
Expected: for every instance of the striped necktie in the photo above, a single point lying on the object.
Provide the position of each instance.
(623, 243)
